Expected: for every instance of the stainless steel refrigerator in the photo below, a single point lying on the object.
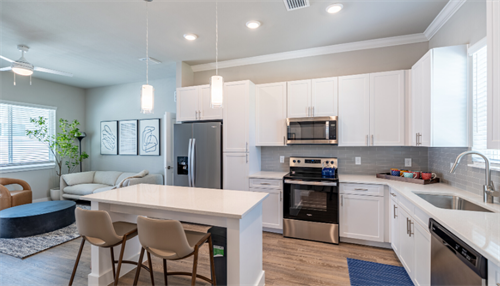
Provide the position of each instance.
(198, 154)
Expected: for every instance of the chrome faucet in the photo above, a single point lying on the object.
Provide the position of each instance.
(488, 188)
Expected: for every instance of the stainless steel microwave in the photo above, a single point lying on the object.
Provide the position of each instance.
(312, 130)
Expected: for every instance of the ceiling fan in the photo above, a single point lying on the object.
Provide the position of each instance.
(24, 68)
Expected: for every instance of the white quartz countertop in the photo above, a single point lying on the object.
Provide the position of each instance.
(478, 229)
(214, 202)
(268, 175)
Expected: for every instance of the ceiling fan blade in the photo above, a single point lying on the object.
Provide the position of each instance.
(53, 71)
(6, 69)
(7, 59)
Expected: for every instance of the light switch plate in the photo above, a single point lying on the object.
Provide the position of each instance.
(358, 160)
(282, 159)
(407, 162)
(175, 96)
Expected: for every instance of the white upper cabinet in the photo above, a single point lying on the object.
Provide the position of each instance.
(193, 103)
(270, 114)
(299, 98)
(324, 99)
(493, 31)
(354, 110)
(236, 116)
(439, 98)
(387, 108)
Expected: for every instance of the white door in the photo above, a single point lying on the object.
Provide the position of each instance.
(270, 114)
(206, 111)
(236, 116)
(354, 110)
(422, 255)
(324, 97)
(235, 171)
(272, 208)
(187, 103)
(362, 217)
(168, 138)
(394, 223)
(387, 108)
(493, 27)
(406, 243)
(299, 98)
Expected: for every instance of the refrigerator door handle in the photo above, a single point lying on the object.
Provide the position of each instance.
(189, 162)
(193, 163)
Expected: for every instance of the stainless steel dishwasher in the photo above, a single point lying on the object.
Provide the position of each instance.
(453, 262)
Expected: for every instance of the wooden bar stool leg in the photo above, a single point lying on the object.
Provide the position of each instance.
(195, 266)
(212, 262)
(139, 266)
(113, 261)
(76, 262)
(120, 259)
(151, 269)
(165, 271)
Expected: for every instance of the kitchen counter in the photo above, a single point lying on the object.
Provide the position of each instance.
(478, 229)
(268, 175)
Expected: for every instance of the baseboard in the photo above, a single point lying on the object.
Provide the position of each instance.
(273, 230)
(41, 200)
(386, 245)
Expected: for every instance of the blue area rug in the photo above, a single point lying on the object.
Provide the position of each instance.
(364, 273)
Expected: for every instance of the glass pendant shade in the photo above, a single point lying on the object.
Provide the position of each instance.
(147, 99)
(216, 91)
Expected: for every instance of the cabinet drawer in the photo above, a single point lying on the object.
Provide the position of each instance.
(362, 189)
(266, 184)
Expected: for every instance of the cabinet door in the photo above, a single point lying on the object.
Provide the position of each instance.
(187, 103)
(206, 111)
(493, 27)
(299, 98)
(235, 171)
(421, 101)
(354, 110)
(272, 208)
(271, 114)
(406, 243)
(367, 224)
(387, 108)
(236, 116)
(394, 225)
(422, 236)
(324, 97)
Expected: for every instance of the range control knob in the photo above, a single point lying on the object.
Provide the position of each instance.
(294, 161)
(298, 161)
(331, 162)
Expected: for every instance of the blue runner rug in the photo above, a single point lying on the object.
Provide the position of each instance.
(364, 273)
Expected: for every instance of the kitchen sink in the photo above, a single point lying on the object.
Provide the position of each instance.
(452, 203)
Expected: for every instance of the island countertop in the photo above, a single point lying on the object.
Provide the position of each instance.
(214, 202)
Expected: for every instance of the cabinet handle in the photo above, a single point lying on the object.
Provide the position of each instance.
(313, 111)
(367, 141)
(246, 147)
(199, 114)
(307, 111)
(342, 200)
(411, 232)
(246, 155)
(407, 224)
(195, 114)
(373, 141)
(281, 196)
(393, 194)
(266, 184)
(284, 142)
(416, 139)
(395, 215)
(365, 190)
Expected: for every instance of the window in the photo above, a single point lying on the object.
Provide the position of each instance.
(479, 107)
(16, 149)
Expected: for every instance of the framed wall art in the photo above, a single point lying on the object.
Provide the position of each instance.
(149, 137)
(109, 137)
(127, 137)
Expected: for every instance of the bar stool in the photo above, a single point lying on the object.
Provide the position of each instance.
(168, 240)
(97, 228)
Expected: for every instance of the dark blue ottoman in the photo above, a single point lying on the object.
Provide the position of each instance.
(37, 218)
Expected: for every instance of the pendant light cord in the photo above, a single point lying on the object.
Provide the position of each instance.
(216, 40)
(147, 43)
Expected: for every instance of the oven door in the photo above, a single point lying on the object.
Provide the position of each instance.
(311, 201)
(312, 130)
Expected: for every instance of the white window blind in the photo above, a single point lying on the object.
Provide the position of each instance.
(479, 107)
(17, 149)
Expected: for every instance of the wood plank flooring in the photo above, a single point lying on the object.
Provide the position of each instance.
(286, 262)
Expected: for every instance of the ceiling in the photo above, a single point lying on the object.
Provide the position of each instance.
(101, 42)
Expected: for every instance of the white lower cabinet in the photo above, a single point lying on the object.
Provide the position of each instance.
(422, 237)
(236, 170)
(272, 208)
(394, 225)
(362, 217)
(406, 243)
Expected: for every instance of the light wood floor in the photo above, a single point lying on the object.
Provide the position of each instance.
(286, 262)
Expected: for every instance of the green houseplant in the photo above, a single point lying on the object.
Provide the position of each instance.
(62, 145)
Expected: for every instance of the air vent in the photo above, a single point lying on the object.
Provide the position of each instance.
(296, 4)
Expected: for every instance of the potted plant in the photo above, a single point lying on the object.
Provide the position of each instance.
(62, 145)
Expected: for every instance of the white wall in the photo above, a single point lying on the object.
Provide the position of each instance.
(70, 103)
(120, 102)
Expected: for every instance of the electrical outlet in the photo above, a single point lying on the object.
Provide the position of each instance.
(358, 160)
(407, 162)
(175, 96)
(282, 159)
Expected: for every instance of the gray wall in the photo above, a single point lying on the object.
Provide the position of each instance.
(348, 63)
(467, 26)
(70, 103)
(373, 159)
(120, 102)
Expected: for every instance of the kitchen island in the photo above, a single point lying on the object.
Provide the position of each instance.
(238, 211)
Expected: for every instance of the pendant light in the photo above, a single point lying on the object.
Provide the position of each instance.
(147, 92)
(216, 81)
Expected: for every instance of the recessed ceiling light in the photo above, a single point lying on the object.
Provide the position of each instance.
(190, 37)
(253, 24)
(335, 8)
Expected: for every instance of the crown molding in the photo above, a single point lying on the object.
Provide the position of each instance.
(333, 49)
(446, 13)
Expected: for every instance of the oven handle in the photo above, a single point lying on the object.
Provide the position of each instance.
(310, 183)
